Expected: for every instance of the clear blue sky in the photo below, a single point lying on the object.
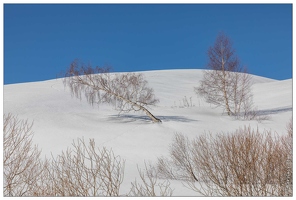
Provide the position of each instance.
(42, 40)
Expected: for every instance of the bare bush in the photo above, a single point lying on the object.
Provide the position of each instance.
(287, 148)
(179, 165)
(22, 167)
(290, 128)
(227, 84)
(150, 185)
(184, 103)
(126, 91)
(244, 163)
(85, 170)
(167, 170)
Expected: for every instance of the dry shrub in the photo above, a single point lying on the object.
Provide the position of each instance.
(243, 163)
(84, 170)
(290, 128)
(150, 186)
(179, 166)
(22, 166)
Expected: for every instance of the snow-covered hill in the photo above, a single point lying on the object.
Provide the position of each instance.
(59, 118)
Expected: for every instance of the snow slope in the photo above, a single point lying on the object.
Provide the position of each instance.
(59, 119)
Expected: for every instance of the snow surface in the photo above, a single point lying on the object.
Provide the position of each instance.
(59, 118)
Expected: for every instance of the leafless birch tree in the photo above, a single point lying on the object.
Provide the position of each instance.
(125, 91)
(226, 83)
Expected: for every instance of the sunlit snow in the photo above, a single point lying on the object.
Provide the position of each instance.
(59, 118)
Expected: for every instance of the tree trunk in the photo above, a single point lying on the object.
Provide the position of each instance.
(152, 117)
(226, 103)
(224, 89)
(149, 114)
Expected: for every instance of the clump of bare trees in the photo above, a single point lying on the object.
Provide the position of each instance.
(82, 170)
(125, 91)
(227, 83)
(243, 163)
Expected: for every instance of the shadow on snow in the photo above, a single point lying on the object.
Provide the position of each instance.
(124, 118)
(274, 111)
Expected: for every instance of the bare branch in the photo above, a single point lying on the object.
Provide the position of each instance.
(125, 91)
(150, 185)
(86, 171)
(21, 160)
(227, 83)
(243, 163)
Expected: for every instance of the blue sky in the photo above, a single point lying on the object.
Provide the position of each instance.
(42, 40)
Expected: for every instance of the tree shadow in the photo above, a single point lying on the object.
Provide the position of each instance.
(126, 118)
(274, 111)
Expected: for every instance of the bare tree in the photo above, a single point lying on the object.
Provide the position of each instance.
(126, 91)
(179, 165)
(22, 167)
(287, 148)
(243, 163)
(290, 128)
(150, 185)
(226, 83)
(84, 170)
